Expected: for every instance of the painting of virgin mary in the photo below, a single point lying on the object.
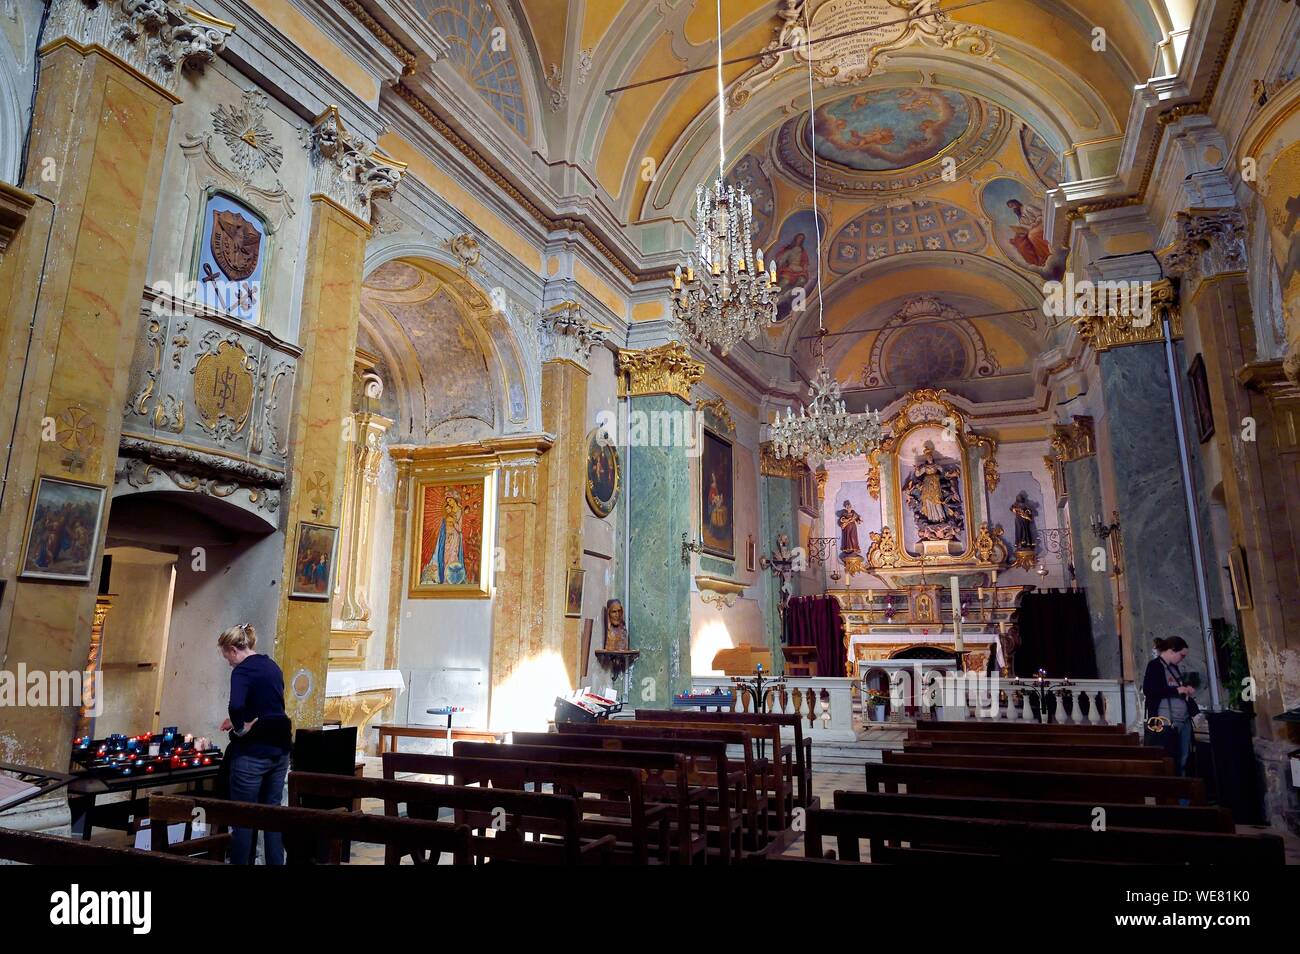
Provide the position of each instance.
(451, 534)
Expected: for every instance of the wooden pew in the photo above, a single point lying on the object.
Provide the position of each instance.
(1038, 749)
(1028, 841)
(1057, 786)
(391, 733)
(708, 762)
(664, 775)
(755, 787)
(1019, 738)
(1171, 817)
(1034, 764)
(802, 745)
(525, 813)
(620, 792)
(775, 776)
(31, 848)
(1005, 725)
(312, 823)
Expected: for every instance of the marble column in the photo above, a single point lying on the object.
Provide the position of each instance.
(658, 381)
(1072, 446)
(348, 175)
(109, 78)
(778, 484)
(567, 338)
(1160, 593)
(1254, 408)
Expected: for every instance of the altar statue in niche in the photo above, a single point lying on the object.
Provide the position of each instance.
(933, 494)
(1024, 513)
(848, 520)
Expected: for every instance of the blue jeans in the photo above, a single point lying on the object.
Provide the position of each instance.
(1184, 730)
(259, 780)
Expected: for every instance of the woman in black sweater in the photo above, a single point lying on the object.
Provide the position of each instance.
(1170, 700)
(260, 738)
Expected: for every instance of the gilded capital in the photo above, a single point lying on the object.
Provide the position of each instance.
(1073, 441)
(1112, 327)
(157, 38)
(668, 369)
(567, 334)
(347, 169)
(769, 465)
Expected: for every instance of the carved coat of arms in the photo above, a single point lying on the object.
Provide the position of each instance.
(236, 243)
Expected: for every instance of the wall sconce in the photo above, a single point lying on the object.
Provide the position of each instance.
(1112, 534)
(689, 547)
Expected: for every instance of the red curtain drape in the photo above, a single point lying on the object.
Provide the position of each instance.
(816, 621)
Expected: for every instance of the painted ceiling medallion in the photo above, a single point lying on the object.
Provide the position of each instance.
(886, 130)
(252, 147)
(895, 139)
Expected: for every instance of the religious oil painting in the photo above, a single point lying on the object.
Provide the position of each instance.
(795, 255)
(603, 474)
(451, 537)
(313, 565)
(882, 130)
(573, 585)
(1015, 216)
(717, 503)
(63, 531)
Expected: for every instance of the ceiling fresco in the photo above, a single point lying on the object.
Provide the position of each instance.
(887, 130)
(890, 141)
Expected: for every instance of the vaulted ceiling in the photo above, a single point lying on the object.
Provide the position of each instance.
(935, 143)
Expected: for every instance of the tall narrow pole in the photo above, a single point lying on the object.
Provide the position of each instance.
(1193, 516)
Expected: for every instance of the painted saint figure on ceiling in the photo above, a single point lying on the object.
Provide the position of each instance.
(933, 493)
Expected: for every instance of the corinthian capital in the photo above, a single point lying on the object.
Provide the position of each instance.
(1208, 242)
(567, 334)
(158, 38)
(348, 169)
(668, 369)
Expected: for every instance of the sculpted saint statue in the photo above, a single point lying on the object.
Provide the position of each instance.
(1024, 513)
(933, 494)
(849, 520)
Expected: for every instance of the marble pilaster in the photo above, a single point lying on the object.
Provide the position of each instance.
(1084, 483)
(658, 381)
(777, 483)
(103, 125)
(1258, 474)
(567, 338)
(1160, 591)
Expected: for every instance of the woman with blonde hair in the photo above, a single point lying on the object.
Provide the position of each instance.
(260, 738)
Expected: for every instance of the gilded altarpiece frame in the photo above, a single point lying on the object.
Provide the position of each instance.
(920, 412)
(452, 535)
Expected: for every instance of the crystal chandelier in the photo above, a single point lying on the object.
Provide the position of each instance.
(725, 295)
(823, 429)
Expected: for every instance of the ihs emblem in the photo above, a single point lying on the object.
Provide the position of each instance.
(251, 145)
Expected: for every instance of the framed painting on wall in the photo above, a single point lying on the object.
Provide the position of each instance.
(573, 592)
(717, 496)
(603, 475)
(313, 563)
(1200, 386)
(63, 531)
(451, 537)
